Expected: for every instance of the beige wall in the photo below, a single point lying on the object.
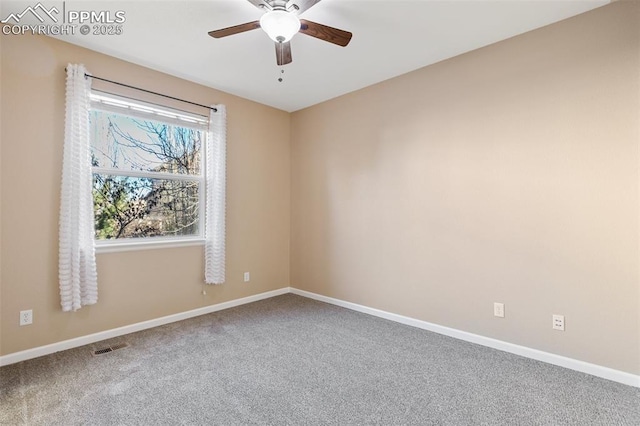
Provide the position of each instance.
(137, 285)
(508, 174)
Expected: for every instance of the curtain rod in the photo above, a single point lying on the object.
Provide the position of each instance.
(149, 91)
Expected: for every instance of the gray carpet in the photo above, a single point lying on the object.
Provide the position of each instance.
(294, 361)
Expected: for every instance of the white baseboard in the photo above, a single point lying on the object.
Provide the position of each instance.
(570, 363)
(120, 331)
(573, 364)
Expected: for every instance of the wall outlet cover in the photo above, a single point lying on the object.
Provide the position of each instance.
(26, 317)
(558, 322)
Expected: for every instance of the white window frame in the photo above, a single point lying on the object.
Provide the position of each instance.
(107, 102)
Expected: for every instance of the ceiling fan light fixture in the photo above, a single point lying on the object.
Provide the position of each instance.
(280, 25)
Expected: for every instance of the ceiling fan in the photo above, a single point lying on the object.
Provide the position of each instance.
(281, 23)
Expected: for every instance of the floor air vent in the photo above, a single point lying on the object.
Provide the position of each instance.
(109, 349)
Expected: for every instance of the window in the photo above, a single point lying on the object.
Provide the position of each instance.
(148, 172)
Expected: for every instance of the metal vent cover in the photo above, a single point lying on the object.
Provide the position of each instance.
(109, 349)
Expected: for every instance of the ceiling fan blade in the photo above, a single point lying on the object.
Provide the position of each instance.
(299, 6)
(235, 29)
(283, 53)
(324, 32)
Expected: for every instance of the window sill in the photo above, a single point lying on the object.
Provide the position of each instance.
(111, 247)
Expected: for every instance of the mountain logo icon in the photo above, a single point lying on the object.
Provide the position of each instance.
(38, 10)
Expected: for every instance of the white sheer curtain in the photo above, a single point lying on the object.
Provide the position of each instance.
(77, 261)
(215, 167)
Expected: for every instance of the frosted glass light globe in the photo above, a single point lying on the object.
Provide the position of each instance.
(280, 25)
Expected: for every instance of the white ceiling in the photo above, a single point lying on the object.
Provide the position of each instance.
(390, 38)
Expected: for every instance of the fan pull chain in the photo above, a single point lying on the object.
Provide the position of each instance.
(280, 59)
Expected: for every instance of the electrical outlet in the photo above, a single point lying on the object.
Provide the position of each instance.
(26, 317)
(498, 310)
(247, 277)
(558, 322)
